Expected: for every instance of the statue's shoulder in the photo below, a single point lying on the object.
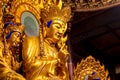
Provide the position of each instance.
(32, 40)
(30, 47)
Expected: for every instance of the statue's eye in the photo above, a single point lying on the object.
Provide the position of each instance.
(17, 34)
(57, 26)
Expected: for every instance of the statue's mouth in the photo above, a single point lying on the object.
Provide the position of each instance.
(59, 35)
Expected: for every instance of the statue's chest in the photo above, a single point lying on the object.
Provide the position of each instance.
(50, 51)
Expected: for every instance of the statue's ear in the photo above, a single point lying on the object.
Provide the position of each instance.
(49, 23)
(44, 31)
(66, 26)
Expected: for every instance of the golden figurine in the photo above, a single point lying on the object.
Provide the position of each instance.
(10, 37)
(50, 62)
(10, 52)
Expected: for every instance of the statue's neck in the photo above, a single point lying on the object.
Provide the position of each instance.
(50, 42)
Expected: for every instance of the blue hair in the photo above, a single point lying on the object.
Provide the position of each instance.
(5, 26)
(7, 23)
(49, 23)
(9, 35)
(93, 73)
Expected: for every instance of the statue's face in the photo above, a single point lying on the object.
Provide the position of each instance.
(15, 39)
(56, 30)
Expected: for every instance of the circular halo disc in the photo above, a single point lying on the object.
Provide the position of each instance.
(31, 24)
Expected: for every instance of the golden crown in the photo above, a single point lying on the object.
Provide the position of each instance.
(55, 13)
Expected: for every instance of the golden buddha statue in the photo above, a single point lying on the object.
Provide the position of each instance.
(47, 59)
(10, 52)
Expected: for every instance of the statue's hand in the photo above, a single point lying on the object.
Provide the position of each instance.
(63, 53)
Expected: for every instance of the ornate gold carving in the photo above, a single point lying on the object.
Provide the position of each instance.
(48, 3)
(10, 43)
(91, 5)
(89, 69)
